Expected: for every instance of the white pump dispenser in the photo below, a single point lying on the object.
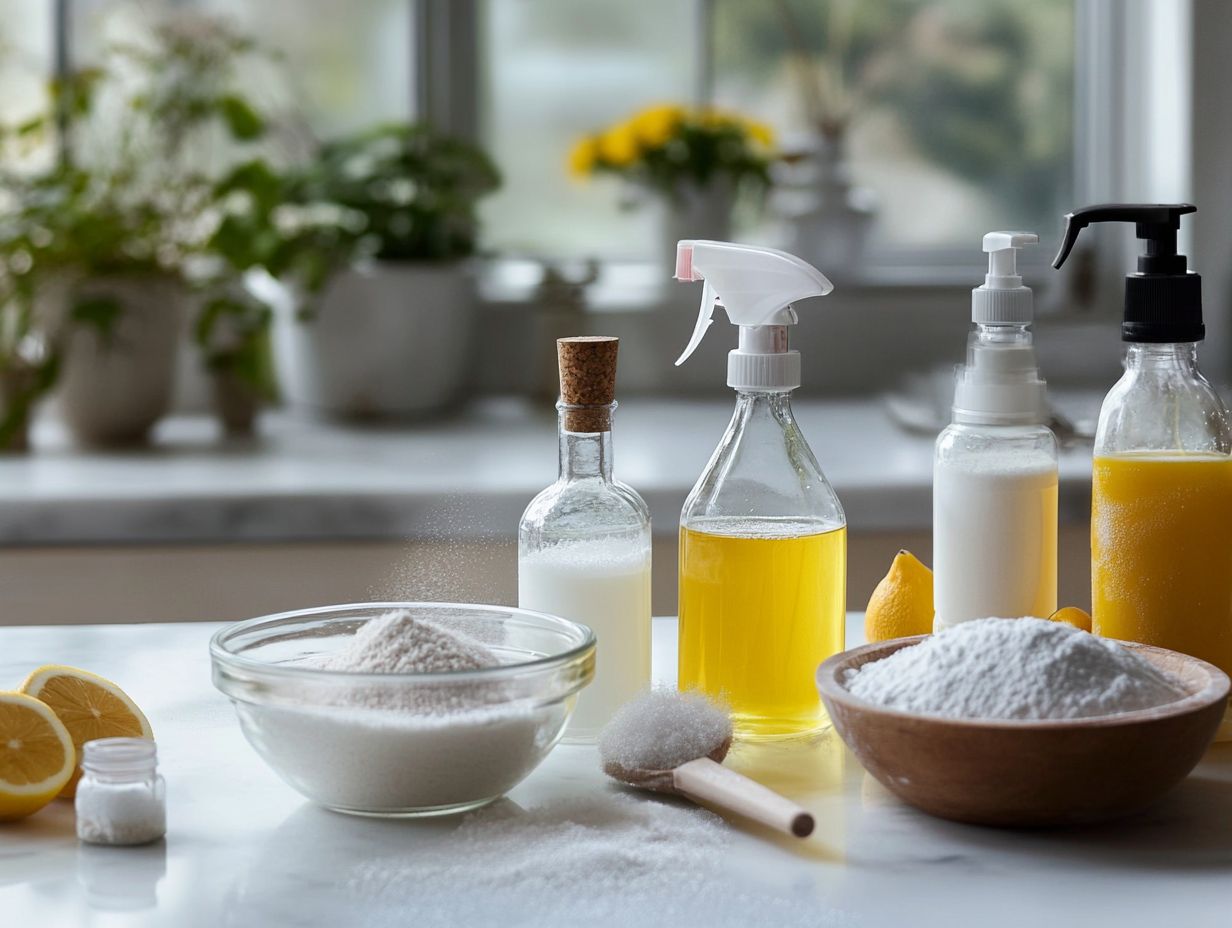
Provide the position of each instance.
(995, 467)
(757, 286)
(763, 537)
(1000, 384)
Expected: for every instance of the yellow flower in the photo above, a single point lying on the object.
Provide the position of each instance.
(618, 146)
(656, 125)
(760, 133)
(583, 155)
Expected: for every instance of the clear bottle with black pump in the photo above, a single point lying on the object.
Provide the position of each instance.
(1161, 503)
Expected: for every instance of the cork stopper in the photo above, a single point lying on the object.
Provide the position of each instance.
(587, 381)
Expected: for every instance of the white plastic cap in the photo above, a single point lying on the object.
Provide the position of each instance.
(757, 287)
(1003, 298)
(1000, 386)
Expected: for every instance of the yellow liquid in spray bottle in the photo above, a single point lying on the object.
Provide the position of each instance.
(758, 613)
(763, 538)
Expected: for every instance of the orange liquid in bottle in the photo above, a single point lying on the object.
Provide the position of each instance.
(1161, 552)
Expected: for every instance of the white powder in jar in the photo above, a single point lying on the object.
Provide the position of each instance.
(119, 813)
(1014, 669)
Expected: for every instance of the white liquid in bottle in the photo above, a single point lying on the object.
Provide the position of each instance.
(994, 540)
(604, 584)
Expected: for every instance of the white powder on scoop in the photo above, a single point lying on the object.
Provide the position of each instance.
(1014, 669)
(662, 729)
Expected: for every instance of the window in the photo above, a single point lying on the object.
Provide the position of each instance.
(957, 115)
(553, 69)
(26, 51)
(344, 66)
(956, 110)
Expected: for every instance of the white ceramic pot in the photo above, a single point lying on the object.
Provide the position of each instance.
(115, 386)
(383, 341)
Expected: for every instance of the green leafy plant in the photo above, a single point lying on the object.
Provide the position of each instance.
(396, 192)
(416, 190)
(124, 187)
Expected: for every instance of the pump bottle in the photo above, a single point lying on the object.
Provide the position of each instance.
(763, 538)
(1161, 499)
(995, 466)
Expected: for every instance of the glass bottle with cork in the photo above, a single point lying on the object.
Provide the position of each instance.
(584, 542)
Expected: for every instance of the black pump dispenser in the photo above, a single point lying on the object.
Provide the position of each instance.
(1163, 301)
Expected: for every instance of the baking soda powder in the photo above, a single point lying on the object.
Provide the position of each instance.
(1014, 669)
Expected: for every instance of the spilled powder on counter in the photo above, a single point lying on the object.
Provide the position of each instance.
(1014, 669)
(582, 860)
(662, 729)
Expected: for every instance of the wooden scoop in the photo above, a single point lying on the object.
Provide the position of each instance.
(707, 780)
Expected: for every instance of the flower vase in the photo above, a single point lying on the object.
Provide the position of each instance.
(828, 217)
(696, 211)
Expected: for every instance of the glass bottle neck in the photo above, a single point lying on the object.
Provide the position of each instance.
(1002, 333)
(1173, 357)
(751, 404)
(585, 435)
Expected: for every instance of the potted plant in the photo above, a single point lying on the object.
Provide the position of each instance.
(377, 229)
(111, 228)
(695, 161)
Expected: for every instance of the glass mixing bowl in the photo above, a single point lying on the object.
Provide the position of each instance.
(408, 743)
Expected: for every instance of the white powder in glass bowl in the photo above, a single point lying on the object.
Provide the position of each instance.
(371, 760)
(393, 747)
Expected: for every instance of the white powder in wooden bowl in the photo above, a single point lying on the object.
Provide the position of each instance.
(1014, 669)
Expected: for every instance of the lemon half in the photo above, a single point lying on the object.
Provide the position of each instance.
(90, 707)
(37, 757)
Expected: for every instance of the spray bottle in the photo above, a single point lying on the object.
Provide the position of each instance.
(1161, 502)
(763, 539)
(995, 466)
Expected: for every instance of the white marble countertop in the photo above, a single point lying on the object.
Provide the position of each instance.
(244, 850)
(466, 477)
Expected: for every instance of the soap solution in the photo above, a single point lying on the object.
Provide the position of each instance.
(604, 584)
(762, 604)
(1161, 552)
(995, 536)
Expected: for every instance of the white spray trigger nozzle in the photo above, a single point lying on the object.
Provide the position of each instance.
(1002, 249)
(705, 318)
(756, 286)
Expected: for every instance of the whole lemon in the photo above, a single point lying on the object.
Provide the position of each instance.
(1072, 615)
(902, 603)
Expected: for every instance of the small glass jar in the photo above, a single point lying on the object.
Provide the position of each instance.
(121, 798)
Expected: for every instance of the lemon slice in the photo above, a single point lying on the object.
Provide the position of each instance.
(90, 707)
(36, 756)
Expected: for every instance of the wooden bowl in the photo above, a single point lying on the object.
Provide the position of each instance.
(1026, 772)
